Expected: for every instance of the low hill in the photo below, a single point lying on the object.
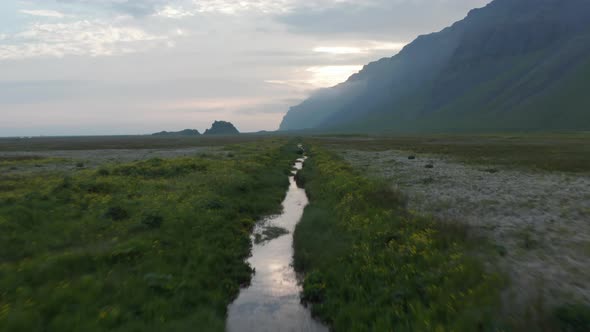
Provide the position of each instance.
(186, 132)
(222, 128)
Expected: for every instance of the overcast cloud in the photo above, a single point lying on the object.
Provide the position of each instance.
(88, 67)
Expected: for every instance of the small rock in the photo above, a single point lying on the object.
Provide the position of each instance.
(428, 180)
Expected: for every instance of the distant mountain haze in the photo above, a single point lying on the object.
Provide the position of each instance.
(186, 132)
(221, 128)
(512, 65)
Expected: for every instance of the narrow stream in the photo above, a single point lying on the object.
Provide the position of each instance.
(272, 302)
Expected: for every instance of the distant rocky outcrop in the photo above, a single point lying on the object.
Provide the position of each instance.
(186, 132)
(222, 128)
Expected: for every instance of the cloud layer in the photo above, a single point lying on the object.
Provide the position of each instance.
(136, 66)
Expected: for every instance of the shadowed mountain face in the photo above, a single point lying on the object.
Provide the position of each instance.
(222, 128)
(512, 65)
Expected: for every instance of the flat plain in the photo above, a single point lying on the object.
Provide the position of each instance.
(407, 233)
(131, 233)
(527, 197)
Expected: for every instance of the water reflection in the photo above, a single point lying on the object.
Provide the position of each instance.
(272, 302)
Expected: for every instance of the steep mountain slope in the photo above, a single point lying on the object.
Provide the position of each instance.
(512, 65)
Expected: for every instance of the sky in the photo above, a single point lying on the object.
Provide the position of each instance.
(104, 67)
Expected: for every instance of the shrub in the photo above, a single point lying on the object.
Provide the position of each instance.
(314, 288)
(152, 220)
(300, 179)
(573, 318)
(103, 172)
(214, 204)
(160, 282)
(116, 213)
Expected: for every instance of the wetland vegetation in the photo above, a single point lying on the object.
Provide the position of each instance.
(373, 265)
(157, 244)
(99, 238)
(446, 185)
(381, 226)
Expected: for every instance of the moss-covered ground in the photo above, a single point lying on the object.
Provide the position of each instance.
(153, 245)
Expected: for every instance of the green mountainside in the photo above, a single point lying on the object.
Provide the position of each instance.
(512, 65)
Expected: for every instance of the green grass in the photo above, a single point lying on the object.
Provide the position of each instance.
(544, 152)
(15, 161)
(371, 265)
(573, 317)
(155, 245)
(119, 142)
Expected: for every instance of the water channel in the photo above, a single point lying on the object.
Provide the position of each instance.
(272, 301)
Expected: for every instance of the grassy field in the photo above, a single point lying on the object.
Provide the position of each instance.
(150, 233)
(152, 245)
(537, 219)
(118, 142)
(371, 264)
(545, 152)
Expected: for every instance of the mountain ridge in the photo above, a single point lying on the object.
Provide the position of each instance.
(494, 70)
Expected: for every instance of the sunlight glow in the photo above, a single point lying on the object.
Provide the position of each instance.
(368, 47)
(326, 76)
(338, 50)
(386, 46)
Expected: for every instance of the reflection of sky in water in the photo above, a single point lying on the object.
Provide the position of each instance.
(272, 302)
